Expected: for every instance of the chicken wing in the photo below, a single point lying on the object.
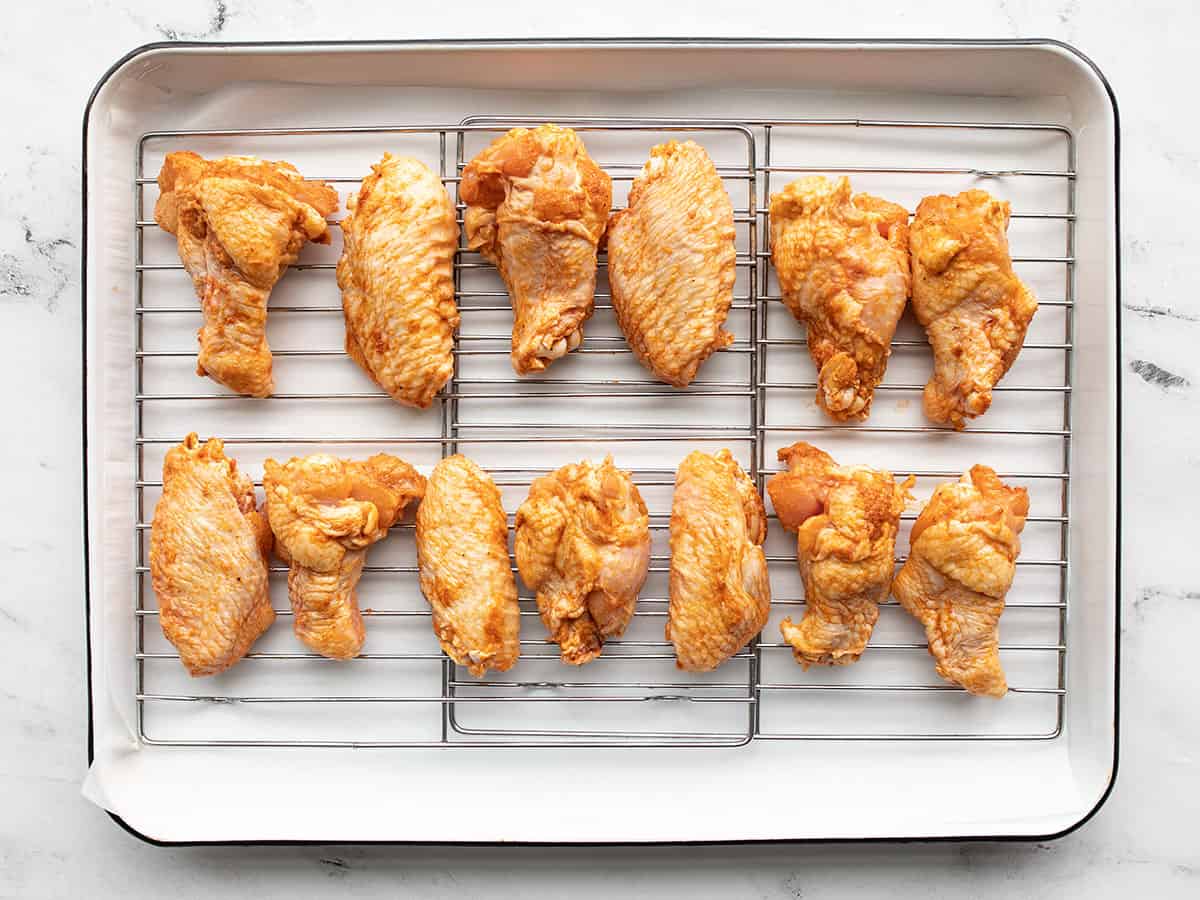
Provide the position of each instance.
(536, 207)
(208, 558)
(462, 551)
(846, 519)
(397, 279)
(239, 222)
(325, 513)
(974, 308)
(842, 262)
(962, 561)
(671, 260)
(720, 595)
(583, 544)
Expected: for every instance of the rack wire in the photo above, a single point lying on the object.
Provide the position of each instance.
(750, 397)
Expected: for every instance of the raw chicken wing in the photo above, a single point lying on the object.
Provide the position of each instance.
(397, 279)
(964, 551)
(325, 513)
(846, 519)
(537, 206)
(462, 551)
(974, 308)
(583, 544)
(208, 558)
(671, 260)
(239, 222)
(720, 595)
(842, 261)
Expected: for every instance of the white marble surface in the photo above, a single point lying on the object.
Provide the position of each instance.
(54, 843)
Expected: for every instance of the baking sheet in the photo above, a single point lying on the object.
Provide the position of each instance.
(672, 771)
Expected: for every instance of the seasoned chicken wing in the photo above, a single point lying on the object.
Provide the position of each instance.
(974, 308)
(325, 513)
(583, 544)
(842, 262)
(462, 551)
(208, 558)
(720, 595)
(671, 262)
(846, 519)
(964, 552)
(397, 279)
(537, 206)
(239, 223)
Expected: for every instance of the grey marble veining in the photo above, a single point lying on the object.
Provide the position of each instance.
(54, 843)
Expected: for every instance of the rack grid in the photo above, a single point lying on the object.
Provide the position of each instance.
(631, 696)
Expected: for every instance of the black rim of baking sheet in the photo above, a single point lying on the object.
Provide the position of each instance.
(666, 42)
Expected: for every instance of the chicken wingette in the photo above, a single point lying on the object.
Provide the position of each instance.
(397, 279)
(719, 593)
(208, 558)
(671, 262)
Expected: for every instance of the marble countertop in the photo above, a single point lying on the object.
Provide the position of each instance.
(54, 843)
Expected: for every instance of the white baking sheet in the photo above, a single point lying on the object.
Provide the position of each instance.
(573, 794)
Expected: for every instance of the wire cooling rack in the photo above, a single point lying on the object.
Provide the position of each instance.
(753, 397)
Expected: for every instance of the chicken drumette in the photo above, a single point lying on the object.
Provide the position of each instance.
(537, 206)
(719, 593)
(397, 279)
(974, 308)
(208, 558)
(239, 222)
(842, 261)
(671, 260)
(846, 519)
(960, 566)
(583, 544)
(462, 551)
(325, 513)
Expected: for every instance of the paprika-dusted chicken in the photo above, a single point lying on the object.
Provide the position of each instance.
(671, 262)
(239, 222)
(397, 279)
(961, 564)
(325, 512)
(583, 544)
(208, 558)
(974, 308)
(537, 206)
(719, 593)
(846, 519)
(842, 262)
(462, 551)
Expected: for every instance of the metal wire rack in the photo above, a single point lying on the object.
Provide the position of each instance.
(753, 397)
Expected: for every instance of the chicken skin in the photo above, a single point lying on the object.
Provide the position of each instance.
(842, 262)
(208, 558)
(719, 593)
(846, 519)
(325, 513)
(974, 308)
(964, 551)
(583, 544)
(462, 551)
(537, 206)
(397, 279)
(239, 222)
(671, 262)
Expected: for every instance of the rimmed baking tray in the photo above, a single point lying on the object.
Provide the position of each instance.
(877, 750)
